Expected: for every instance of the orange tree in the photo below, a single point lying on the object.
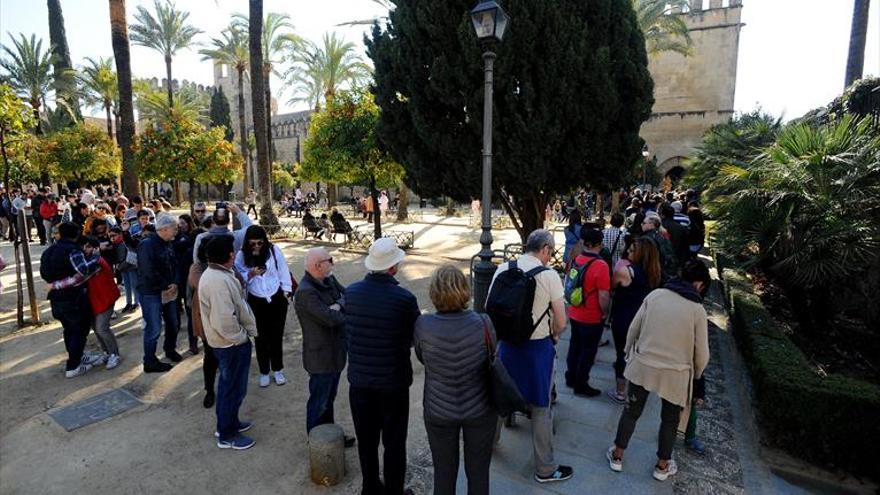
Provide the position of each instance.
(80, 153)
(179, 148)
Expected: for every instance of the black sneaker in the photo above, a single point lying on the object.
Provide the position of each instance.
(157, 367)
(174, 356)
(587, 391)
(210, 398)
(562, 473)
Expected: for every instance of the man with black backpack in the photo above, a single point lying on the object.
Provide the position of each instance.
(588, 293)
(526, 306)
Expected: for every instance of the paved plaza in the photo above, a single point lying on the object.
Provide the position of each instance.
(165, 444)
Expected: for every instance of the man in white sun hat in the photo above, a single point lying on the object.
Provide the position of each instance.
(380, 318)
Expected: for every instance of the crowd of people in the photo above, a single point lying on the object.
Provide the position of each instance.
(638, 277)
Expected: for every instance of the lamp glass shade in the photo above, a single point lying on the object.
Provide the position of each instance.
(490, 20)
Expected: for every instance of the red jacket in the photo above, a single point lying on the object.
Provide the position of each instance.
(103, 291)
(48, 210)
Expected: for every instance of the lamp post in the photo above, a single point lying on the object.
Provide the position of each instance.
(490, 22)
(645, 156)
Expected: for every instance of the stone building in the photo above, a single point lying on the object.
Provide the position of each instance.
(696, 92)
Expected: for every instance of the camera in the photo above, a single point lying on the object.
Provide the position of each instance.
(220, 205)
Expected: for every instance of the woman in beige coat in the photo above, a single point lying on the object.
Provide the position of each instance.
(667, 348)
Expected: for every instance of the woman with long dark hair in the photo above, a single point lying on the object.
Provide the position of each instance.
(631, 284)
(264, 267)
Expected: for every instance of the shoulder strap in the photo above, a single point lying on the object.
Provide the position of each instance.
(487, 337)
(535, 271)
(616, 241)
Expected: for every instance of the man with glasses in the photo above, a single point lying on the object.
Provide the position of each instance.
(319, 304)
(200, 213)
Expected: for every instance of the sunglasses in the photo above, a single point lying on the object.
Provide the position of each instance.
(328, 260)
(199, 211)
(255, 242)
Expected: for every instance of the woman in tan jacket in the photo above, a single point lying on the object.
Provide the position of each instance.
(667, 348)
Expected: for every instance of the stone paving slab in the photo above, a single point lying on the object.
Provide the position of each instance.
(94, 409)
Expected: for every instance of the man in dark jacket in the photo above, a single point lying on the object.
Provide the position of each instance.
(678, 234)
(37, 201)
(379, 321)
(70, 306)
(319, 304)
(157, 289)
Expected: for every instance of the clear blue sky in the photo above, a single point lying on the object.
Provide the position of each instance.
(792, 52)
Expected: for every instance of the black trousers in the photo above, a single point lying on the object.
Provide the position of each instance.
(209, 366)
(479, 438)
(76, 324)
(41, 229)
(381, 413)
(271, 317)
(636, 396)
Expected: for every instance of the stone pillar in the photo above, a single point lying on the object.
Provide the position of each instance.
(715, 4)
(327, 454)
(696, 5)
(735, 3)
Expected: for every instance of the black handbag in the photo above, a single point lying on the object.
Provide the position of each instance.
(504, 395)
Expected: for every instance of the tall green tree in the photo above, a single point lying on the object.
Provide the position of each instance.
(28, 71)
(258, 100)
(557, 125)
(80, 153)
(664, 31)
(154, 108)
(125, 131)
(343, 146)
(320, 71)
(65, 84)
(100, 87)
(16, 121)
(277, 35)
(167, 33)
(231, 49)
(858, 36)
(220, 114)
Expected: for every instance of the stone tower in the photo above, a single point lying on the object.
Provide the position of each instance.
(227, 78)
(696, 92)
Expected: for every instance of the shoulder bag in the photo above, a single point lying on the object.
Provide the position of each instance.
(504, 395)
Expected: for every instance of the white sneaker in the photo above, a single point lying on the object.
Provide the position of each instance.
(113, 361)
(264, 381)
(671, 469)
(279, 378)
(94, 359)
(80, 370)
(616, 465)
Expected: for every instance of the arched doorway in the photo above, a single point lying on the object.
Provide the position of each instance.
(673, 168)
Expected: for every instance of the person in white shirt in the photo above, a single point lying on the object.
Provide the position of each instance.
(264, 267)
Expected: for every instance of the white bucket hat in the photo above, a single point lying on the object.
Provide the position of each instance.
(384, 254)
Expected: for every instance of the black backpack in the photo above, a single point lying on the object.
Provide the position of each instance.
(510, 301)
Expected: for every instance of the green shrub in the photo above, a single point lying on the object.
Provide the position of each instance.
(828, 420)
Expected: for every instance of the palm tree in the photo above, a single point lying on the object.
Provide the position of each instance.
(28, 71)
(858, 36)
(663, 32)
(153, 107)
(100, 88)
(318, 73)
(167, 33)
(261, 127)
(65, 83)
(275, 40)
(125, 131)
(231, 49)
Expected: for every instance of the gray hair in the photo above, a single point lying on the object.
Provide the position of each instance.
(538, 239)
(165, 221)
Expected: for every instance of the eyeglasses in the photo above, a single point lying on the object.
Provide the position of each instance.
(328, 260)
(255, 242)
(199, 211)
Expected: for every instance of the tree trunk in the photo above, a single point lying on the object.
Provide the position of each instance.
(5, 164)
(377, 213)
(125, 131)
(170, 86)
(65, 85)
(600, 205)
(615, 201)
(855, 61)
(258, 98)
(178, 193)
(242, 133)
(332, 195)
(402, 210)
(109, 120)
(266, 81)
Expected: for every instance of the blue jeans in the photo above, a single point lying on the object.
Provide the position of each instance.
(322, 393)
(234, 363)
(154, 312)
(130, 280)
(582, 348)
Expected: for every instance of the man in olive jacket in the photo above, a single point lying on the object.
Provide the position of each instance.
(319, 304)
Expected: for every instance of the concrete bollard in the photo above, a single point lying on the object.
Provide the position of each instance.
(327, 454)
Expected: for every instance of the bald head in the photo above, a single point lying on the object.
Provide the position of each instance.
(318, 263)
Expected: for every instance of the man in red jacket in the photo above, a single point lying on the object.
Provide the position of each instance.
(49, 214)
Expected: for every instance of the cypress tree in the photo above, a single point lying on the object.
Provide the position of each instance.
(572, 89)
(220, 113)
(65, 85)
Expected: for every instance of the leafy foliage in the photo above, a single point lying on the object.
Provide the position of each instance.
(319, 72)
(153, 106)
(283, 175)
(16, 140)
(220, 114)
(180, 148)
(664, 32)
(167, 32)
(80, 153)
(571, 91)
(28, 69)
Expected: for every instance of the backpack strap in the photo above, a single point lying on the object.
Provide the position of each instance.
(532, 274)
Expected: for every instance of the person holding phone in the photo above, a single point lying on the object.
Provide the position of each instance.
(265, 269)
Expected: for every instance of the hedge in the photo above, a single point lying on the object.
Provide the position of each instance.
(829, 420)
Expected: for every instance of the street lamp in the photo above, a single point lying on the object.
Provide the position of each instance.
(645, 156)
(490, 22)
